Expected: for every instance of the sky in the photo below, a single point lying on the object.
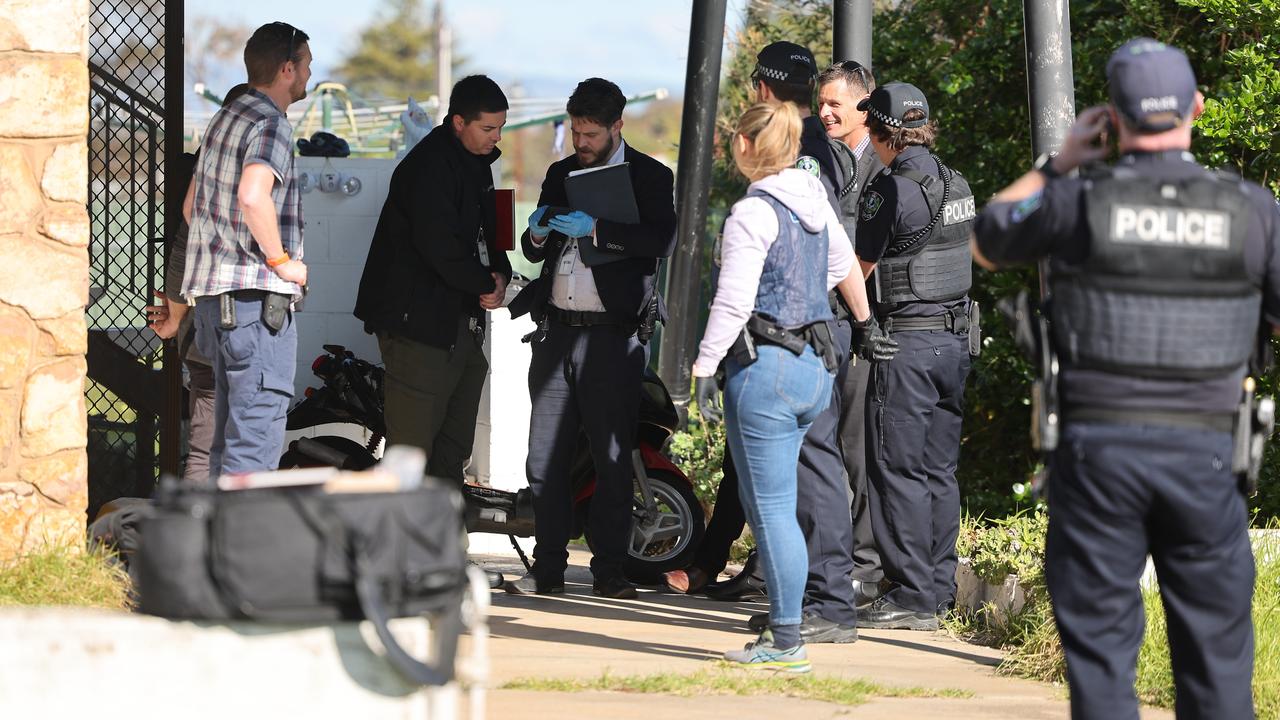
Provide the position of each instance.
(547, 45)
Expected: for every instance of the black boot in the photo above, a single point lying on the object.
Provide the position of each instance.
(746, 586)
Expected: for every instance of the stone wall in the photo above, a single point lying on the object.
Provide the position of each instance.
(44, 272)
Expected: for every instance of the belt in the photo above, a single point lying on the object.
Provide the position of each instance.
(958, 324)
(1165, 418)
(584, 318)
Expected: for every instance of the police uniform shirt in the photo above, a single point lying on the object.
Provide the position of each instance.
(818, 159)
(893, 205)
(1052, 223)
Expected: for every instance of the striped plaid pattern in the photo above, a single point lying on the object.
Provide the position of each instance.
(221, 252)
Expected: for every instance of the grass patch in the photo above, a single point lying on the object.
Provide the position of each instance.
(726, 680)
(1030, 637)
(65, 576)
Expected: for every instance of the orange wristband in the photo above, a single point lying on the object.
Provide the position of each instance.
(277, 262)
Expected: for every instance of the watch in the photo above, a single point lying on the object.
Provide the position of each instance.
(1044, 165)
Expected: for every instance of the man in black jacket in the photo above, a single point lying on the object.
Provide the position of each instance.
(587, 361)
(431, 274)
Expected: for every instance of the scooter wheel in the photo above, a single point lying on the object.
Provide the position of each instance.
(667, 542)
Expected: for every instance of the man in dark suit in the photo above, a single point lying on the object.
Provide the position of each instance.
(587, 360)
(840, 88)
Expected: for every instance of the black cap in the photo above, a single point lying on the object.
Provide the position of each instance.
(889, 104)
(786, 62)
(1151, 84)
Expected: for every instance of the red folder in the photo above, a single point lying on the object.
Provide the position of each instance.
(506, 231)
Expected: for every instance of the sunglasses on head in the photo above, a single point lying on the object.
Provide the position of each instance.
(293, 36)
(857, 68)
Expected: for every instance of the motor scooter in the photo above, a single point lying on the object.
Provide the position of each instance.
(341, 424)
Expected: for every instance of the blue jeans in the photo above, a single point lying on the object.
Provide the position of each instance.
(769, 406)
(253, 383)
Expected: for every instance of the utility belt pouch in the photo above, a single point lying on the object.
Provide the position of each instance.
(824, 345)
(648, 320)
(226, 311)
(975, 329)
(743, 349)
(275, 310)
(1255, 420)
(767, 331)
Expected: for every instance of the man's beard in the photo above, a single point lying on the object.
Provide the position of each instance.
(601, 157)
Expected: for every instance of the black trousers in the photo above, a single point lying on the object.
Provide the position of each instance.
(917, 406)
(822, 506)
(853, 446)
(727, 521)
(583, 378)
(1118, 493)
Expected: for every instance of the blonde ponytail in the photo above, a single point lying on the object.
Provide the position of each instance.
(774, 134)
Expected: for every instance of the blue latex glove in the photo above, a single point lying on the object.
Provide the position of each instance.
(535, 222)
(575, 224)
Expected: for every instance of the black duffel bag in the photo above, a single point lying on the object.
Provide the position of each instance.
(300, 554)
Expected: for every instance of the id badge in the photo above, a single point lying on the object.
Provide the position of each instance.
(482, 248)
(567, 259)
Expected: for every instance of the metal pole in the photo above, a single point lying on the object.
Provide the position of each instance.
(1051, 94)
(444, 62)
(1050, 81)
(174, 86)
(693, 183)
(851, 25)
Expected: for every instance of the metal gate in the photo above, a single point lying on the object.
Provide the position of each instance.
(130, 129)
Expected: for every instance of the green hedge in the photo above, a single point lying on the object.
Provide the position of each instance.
(969, 59)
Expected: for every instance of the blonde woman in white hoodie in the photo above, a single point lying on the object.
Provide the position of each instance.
(782, 249)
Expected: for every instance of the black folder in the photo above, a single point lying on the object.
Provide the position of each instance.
(604, 193)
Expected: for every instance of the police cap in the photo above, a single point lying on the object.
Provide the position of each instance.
(890, 103)
(1151, 84)
(786, 62)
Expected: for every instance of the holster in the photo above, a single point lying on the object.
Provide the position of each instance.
(275, 310)
(744, 349)
(1031, 334)
(975, 329)
(649, 318)
(1255, 420)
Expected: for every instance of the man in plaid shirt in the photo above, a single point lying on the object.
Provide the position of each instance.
(244, 253)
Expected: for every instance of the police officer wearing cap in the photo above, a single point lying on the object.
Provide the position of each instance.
(913, 234)
(1163, 277)
(785, 72)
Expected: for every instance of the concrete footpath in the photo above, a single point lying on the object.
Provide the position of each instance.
(580, 636)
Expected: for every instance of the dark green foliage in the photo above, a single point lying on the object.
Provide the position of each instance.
(395, 56)
(969, 59)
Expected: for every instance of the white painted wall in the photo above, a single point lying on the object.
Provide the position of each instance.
(337, 236)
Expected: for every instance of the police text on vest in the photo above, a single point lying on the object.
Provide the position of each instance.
(1141, 224)
(958, 211)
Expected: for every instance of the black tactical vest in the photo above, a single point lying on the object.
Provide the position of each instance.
(933, 264)
(1163, 292)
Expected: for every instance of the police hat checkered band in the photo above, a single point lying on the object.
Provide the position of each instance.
(786, 62)
(768, 72)
(875, 113)
(889, 104)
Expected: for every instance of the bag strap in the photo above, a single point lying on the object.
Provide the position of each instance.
(446, 627)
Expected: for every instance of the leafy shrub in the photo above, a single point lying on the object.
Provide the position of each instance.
(968, 57)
